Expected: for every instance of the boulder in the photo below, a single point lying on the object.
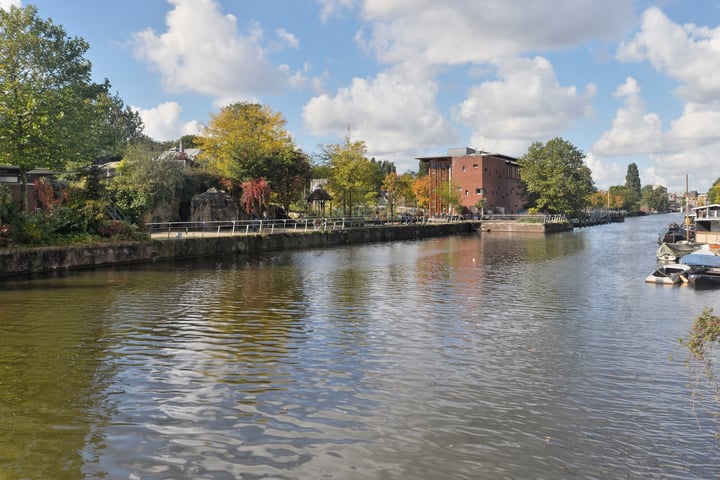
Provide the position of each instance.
(214, 205)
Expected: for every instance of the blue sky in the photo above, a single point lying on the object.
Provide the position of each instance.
(623, 80)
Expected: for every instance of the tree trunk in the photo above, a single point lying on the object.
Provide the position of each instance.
(24, 190)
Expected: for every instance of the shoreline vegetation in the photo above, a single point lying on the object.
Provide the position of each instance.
(21, 261)
(166, 242)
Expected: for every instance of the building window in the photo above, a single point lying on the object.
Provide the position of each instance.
(467, 192)
(479, 191)
(463, 168)
(475, 165)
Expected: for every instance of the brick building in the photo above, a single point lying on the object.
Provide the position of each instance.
(477, 176)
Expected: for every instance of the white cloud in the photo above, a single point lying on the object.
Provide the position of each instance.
(457, 31)
(633, 131)
(687, 53)
(6, 4)
(526, 104)
(605, 173)
(335, 7)
(202, 51)
(396, 116)
(163, 122)
(288, 38)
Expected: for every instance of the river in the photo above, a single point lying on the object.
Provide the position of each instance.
(485, 356)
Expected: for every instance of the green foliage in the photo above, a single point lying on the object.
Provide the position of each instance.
(117, 230)
(354, 180)
(632, 180)
(392, 188)
(555, 177)
(704, 334)
(145, 178)
(703, 337)
(6, 203)
(288, 174)
(32, 228)
(714, 192)
(51, 114)
(623, 197)
(241, 140)
(449, 195)
(5, 235)
(655, 198)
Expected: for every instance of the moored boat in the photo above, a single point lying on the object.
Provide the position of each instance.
(669, 274)
(705, 266)
(673, 233)
(673, 252)
(707, 277)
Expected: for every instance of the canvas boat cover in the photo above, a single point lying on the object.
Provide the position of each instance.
(675, 249)
(702, 260)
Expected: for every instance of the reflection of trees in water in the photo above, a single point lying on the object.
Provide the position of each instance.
(52, 375)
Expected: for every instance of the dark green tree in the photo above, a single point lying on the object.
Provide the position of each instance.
(51, 114)
(622, 197)
(555, 177)
(655, 198)
(146, 177)
(633, 188)
(288, 175)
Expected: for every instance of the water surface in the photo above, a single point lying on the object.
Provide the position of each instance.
(479, 356)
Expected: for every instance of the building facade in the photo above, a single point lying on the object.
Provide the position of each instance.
(482, 180)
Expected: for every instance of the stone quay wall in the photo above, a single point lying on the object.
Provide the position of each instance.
(521, 227)
(24, 261)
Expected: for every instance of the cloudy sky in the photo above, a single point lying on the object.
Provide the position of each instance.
(623, 80)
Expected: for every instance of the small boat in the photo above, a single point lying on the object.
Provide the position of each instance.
(673, 233)
(705, 265)
(673, 252)
(669, 274)
(706, 277)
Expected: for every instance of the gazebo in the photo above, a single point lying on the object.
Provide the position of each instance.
(317, 199)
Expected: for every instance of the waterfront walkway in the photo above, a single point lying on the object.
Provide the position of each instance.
(180, 230)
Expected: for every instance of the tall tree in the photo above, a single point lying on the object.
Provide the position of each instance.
(633, 188)
(421, 189)
(632, 179)
(555, 176)
(354, 178)
(289, 172)
(49, 106)
(392, 189)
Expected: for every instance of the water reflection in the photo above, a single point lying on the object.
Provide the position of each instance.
(488, 356)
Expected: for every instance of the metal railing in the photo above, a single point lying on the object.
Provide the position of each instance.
(527, 218)
(179, 230)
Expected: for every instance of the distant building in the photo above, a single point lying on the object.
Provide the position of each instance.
(490, 179)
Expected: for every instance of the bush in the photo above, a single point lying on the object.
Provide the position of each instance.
(5, 235)
(115, 229)
(33, 228)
